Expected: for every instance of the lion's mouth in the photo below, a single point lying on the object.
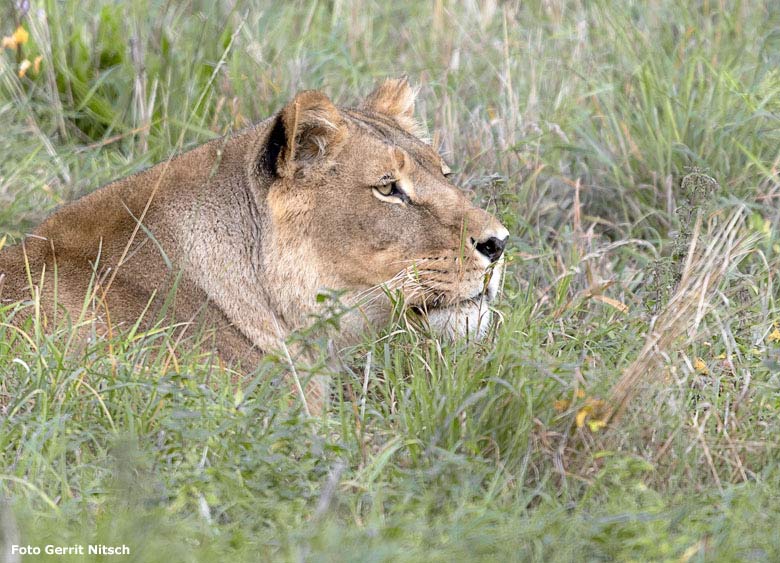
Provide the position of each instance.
(482, 298)
(443, 302)
(468, 317)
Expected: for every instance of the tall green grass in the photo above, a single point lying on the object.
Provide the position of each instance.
(575, 122)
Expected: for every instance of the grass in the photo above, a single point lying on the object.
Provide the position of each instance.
(591, 128)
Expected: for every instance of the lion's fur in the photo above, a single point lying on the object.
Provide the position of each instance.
(252, 226)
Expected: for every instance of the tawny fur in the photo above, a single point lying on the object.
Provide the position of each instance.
(251, 227)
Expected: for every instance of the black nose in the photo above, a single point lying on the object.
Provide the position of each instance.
(493, 247)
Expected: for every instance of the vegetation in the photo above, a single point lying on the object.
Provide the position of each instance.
(626, 407)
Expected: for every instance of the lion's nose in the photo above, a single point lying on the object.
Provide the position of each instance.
(492, 247)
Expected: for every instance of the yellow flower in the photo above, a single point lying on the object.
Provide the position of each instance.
(700, 366)
(581, 416)
(561, 405)
(774, 336)
(20, 35)
(597, 424)
(594, 412)
(23, 66)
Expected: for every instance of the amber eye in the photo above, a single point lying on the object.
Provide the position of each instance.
(391, 190)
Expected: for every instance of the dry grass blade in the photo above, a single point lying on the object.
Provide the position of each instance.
(703, 270)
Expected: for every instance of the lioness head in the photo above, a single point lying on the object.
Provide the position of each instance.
(372, 204)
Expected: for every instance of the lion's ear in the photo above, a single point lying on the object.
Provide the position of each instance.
(395, 98)
(307, 128)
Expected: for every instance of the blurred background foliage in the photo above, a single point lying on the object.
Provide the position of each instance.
(573, 121)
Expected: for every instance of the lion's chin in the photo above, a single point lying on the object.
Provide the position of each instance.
(468, 319)
(471, 318)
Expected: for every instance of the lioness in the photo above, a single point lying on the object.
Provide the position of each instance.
(250, 227)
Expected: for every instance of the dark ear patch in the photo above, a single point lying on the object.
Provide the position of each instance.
(273, 147)
(308, 128)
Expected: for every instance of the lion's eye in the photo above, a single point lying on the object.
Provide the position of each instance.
(391, 190)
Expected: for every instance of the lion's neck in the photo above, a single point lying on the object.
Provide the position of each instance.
(196, 213)
(233, 254)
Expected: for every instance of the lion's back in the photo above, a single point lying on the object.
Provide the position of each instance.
(12, 274)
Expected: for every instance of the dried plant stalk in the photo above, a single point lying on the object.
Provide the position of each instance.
(702, 272)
